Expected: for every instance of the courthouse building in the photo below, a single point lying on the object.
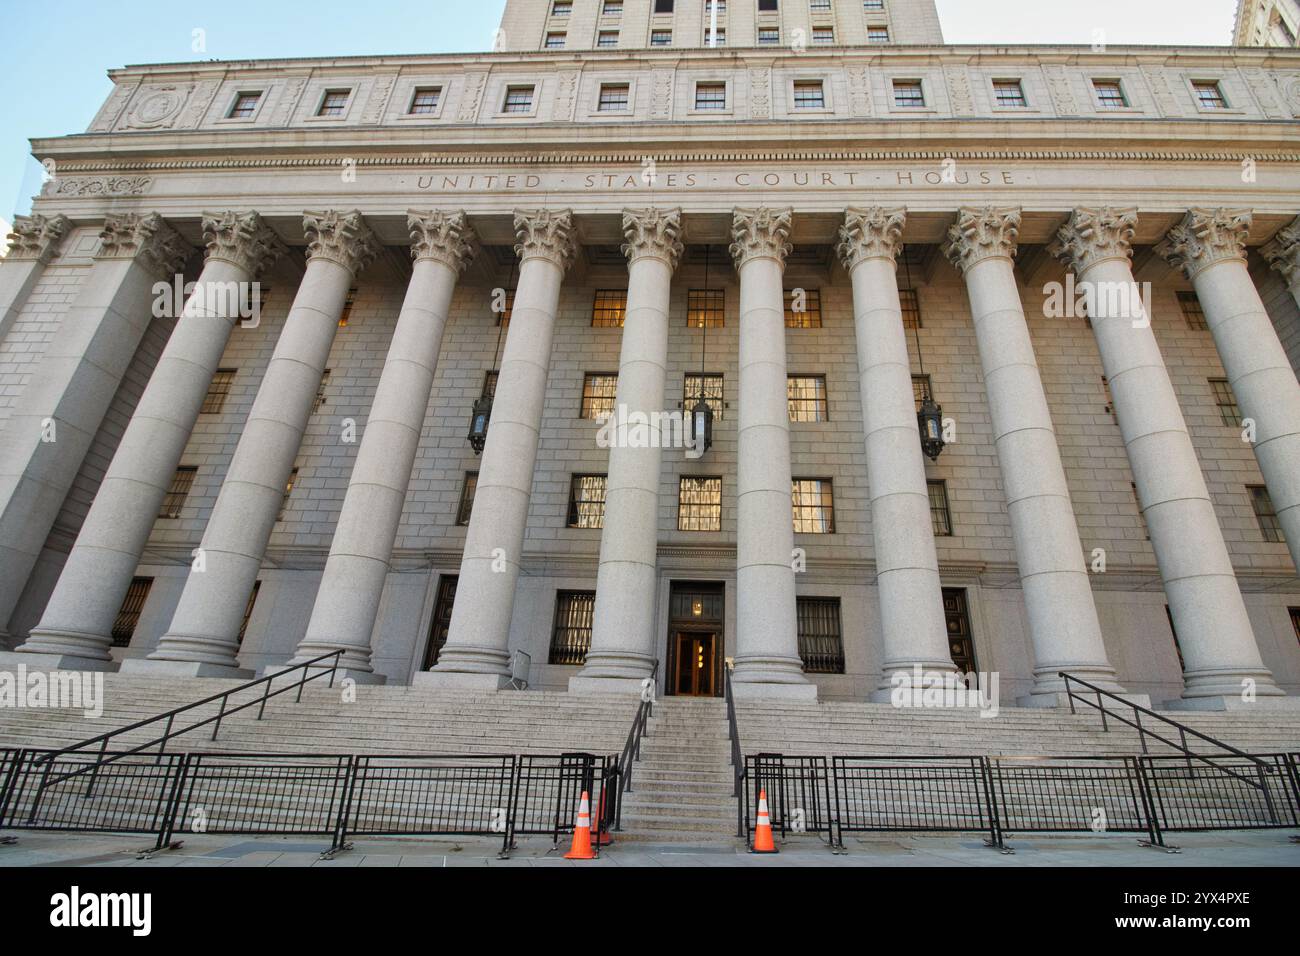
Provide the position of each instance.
(812, 218)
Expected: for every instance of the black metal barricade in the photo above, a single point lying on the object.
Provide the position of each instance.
(548, 789)
(9, 761)
(927, 794)
(798, 794)
(455, 795)
(1222, 793)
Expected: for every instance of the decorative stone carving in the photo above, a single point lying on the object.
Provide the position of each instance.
(471, 96)
(1264, 91)
(859, 81)
(760, 94)
(380, 90)
(661, 94)
(760, 233)
(1164, 97)
(979, 234)
(874, 233)
(147, 239)
(1291, 93)
(241, 238)
(445, 236)
(1094, 235)
(653, 232)
(1058, 85)
(157, 107)
(289, 97)
(566, 97)
(959, 92)
(200, 100)
(1206, 237)
(100, 186)
(112, 110)
(1283, 254)
(37, 237)
(546, 234)
(341, 237)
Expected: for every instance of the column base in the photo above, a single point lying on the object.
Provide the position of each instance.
(461, 680)
(622, 686)
(144, 666)
(1047, 680)
(340, 674)
(1230, 702)
(1207, 683)
(10, 660)
(1061, 700)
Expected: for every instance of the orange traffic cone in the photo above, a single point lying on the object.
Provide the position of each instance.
(763, 831)
(603, 837)
(581, 848)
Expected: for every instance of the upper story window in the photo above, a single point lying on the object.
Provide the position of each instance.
(218, 390)
(606, 39)
(334, 103)
(710, 386)
(1110, 94)
(555, 41)
(767, 6)
(715, 37)
(599, 392)
(1193, 314)
(769, 36)
(806, 398)
(873, 6)
(823, 35)
(803, 308)
(613, 97)
(1229, 412)
(608, 308)
(819, 6)
(877, 34)
(813, 503)
(710, 4)
(699, 504)
(661, 37)
(177, 492)
(519, 99)
(911, 306)
(587, 501)
(1209, 95)
(809, 95)
(710, 96)
(561, 8)
(663, 6)
(1009, 93)
(940, 514)
(706, 308)
(1269, 525)
(612, 8)
(909, 93)
(426, 99)
(245, 106)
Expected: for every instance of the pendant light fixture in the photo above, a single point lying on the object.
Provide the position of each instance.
(929, 417)
(481, 415)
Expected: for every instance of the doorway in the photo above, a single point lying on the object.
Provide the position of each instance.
(695, 640)
(961, 643)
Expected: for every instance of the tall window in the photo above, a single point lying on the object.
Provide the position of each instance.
(425, 99)
(769, 36)
(706, 308)
(1192, 311)
(940, 517)
(1265, 514)
(128, 615)
(1009, 93)
(333, 103)
(1110, 94)
(823, 36)
(806, 398)
(519, 99)
(699, 504)
(346, 315)
(248, 613)
(441, 623)
(587, 501)
(1229, 413)
(571, 635)
(467, 491)
(911, 304)
(909, 93)
(613, 97)
(555, 41)
(712, 385)
(1209, 95)
(803, 308)
(507, 308)
(179, 490)
(814, 505)
(599, 392)
(608, 308)
(245, 105)
(877, 34)
(612, 8)
(821, 644)
(606, 39)
(661, 37)
(218, 390)
(561, 8)
(710, 96)
(809, 95)
(320, 391)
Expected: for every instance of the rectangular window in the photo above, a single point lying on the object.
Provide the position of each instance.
(767, 6)
(248, 613)
(710, 96)
(706, 308)
(599, 392)
(467, 498)
(334, 103)
(555, 41)
(909, 93)
(699, 504)
(769, 36)
(1229, 413)
(921, 387)
(346, 315)
(519, 99)
(288, 491)
(608, 308)
(821, 644)
(715, 39)
(661, 37)
(561, 8)
(613, 97)
(128, 615)
(320, 392)
(441, 623)
(809, 95)
(819, 6)
(1192, 311)
(1009, 93)
(710, 385)
(940, 516)
(1265, 514)
(663, 6)
(803, 308)
(911, 305)
(823, 36)
(874, 6)
(710, 4)
(814, 505)
(1110, 94)
(877, 34)
(245, 106)
(218, 390)
(806, 398)
(612, 8)
(587, 501)
(179, 490)
(504, 309)
(425, 100)
(607, 39)
(1209, 95)
(571, 635)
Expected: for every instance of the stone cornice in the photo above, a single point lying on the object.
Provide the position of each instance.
(653, 232)
(243, 239)
(874, 233)
(147, 239)
(979, 234)
(37, 237)
(546, 234)
(1206, 237)
(444, 236)
(1095, 235)
(1283, 254)
(761, 233)
(341, 237)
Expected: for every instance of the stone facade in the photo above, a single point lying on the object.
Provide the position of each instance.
(323, 182)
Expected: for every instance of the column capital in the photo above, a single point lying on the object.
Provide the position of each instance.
(37, 237)
(546, 234)
(1206, 237)
(982, 233)
(145, 238)
(1283, 254)
(443, 236)
(340, 237)
(1094, 235)
(653, 232)
(762, 233)
(243, 239)
(873, 233)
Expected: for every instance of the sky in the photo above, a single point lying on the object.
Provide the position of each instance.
(56, 52)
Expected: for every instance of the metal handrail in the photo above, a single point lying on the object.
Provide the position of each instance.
(632, 746)
(737, 758)
(1143, 732)
(170, 716)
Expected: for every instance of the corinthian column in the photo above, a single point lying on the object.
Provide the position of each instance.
(58, 414)
(1209, 245)
(623, 628)
(1219, 649)
(1283, 254)
(203, 637)
(907, 566)
(78, 619)
(33, 243)
(767, 636)
(442, 245)
(477, 650)
(1063, 625)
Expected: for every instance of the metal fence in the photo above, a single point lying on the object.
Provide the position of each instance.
(1071, 795)
(1233, 794)
(798, 794)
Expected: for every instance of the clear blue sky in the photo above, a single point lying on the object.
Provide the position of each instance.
(57, 51)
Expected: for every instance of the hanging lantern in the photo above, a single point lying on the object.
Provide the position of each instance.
(478, 424)
(930, 419)
(701, 426)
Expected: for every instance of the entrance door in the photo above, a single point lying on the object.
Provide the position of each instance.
(961, 644)
(696, 664)
(695, 640)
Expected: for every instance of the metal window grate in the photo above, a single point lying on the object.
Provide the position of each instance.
(1229, 413)
(1192, 311)
(699, 504)
(218, 390)
(587, 501)
(911, 306)
(1266, 514)
(599, 393)
(814, 506)
(706, 308)
(712, 384)
(821, 645)
(467, 490)
(174, 500)
(571, 636)
(128, 615)
(608, 308)
(809, 315)
(940, 516)
(441, 623)
(806, 398)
